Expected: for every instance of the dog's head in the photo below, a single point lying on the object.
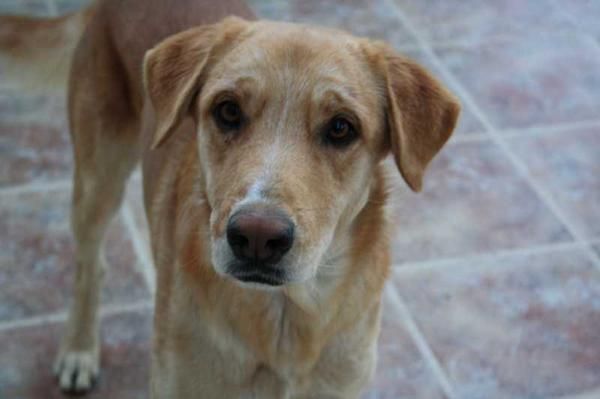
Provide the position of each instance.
(291, 124)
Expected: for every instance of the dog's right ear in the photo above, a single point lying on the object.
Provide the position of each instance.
(173, 70)
(421, 112)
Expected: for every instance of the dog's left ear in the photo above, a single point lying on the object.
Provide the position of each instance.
(173, 69)
(421, 114)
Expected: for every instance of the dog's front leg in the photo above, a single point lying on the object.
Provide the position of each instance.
(77, 364)
(95, 201)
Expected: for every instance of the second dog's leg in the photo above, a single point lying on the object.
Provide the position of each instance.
(105, 138)
(94, 204)
(101, 172)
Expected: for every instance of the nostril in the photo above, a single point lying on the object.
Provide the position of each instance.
(236, 238)
(279, 244)
(276, 244)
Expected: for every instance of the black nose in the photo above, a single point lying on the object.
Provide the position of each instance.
(260, 235)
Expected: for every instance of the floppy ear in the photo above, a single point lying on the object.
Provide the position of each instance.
(421, 115)
(172, 71)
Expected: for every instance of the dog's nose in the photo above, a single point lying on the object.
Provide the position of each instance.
(261, 235)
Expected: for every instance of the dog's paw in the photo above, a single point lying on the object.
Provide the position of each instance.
(77, 371)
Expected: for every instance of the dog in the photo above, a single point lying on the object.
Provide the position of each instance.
(261, 146)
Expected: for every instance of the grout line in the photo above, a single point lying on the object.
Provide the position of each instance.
(495, 39)
(421, 343)
(519, 165)
(468, 138)
(526, 132)
(541, 130)
(593, 256)
(33, 321)
(52, 8)
(418, 266)
(104, 311)
(140, 248)
(407, 48)
(471, 42)
(36, 187)
(584, 33)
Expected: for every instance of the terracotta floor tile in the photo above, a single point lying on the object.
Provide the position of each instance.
(567, 164)
(24, 7)
(371, 18)
(583, 14)
(19, 107)
(9, 6)
(473, 202)
(473, 20)
(521, 326)
(37, 259)
(34, 153)
(529, 82)
(401, 371)
(65, 6)
(34, 140)
(28, 354)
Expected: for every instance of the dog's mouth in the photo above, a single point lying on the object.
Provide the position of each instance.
(262, 275)
(260, 278)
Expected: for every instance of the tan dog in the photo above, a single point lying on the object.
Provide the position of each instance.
(262, 145)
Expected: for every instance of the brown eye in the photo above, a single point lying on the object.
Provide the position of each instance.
(228, 115)
(340, 132)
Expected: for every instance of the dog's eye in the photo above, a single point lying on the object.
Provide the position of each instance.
(340, 132)
(228, 115)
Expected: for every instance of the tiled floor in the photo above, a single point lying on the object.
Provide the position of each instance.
(496, 284)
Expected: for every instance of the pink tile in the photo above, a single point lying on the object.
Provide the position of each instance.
(401, 370)
(28, 354)
(473, 20)
(24, 7)
(20, 107)
(371, 18)
(9, 6)
(37, 259)
(528, 82)
(65, 6)
(520, 326)
(33, 153)
(34, 139)
(583, 14)
(473, 202)
(567, 164)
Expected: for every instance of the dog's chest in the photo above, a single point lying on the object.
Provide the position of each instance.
(256, 348)
(275, 358)
(277, 338)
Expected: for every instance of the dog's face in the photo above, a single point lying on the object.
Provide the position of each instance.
(291, 123)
